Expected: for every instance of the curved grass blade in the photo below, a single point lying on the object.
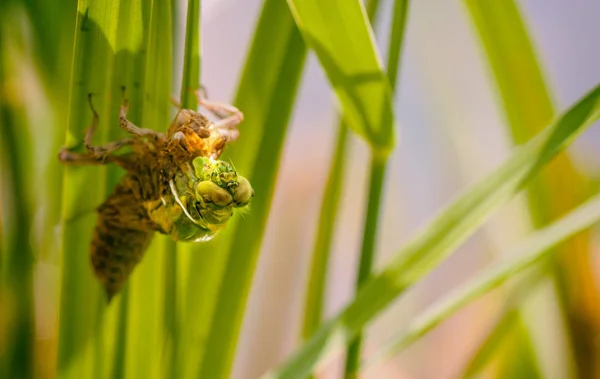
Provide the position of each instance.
(338, 32)
(266, 95)
(445, 233)
(559, 188)
(528, 254)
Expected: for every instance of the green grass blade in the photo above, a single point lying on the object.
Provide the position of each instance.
(191, 60)
(190, 82)
(17, 326)
(397, 40)
(529, 253)
(339, 33)
(53, 29)
(495, 340)
(446, 232)
(266, 94)
(84, 187)
(559, 188)
(259, 81)
(258, 84)
(314, 301)
(161, 45)
(376, 181)
(120, 335)
(116, 45)
(151, 339)
(129, 68)
(365, 265)
(509, 326)
(512, 57)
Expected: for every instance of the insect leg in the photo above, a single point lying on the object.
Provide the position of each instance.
(176, 103)
(129, 127)
(221, 110)
(95, 154)
(230, 116)
(199, 93)
(71, 157)
(92, 129)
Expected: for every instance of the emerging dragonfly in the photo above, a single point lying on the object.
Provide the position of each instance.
(174, 185)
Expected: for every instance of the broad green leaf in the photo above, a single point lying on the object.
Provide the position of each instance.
(339, 33)
(440, 238)
(266, 95)
(528, 254)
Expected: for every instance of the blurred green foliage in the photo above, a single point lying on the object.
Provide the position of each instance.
(181, 313)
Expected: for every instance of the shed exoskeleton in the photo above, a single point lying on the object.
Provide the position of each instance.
(174, 184)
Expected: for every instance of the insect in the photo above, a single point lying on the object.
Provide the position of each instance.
(174, 184)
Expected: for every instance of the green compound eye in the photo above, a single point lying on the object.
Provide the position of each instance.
(243, 193)
(211, 192)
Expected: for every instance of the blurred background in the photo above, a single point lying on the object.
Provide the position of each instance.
(451, 132)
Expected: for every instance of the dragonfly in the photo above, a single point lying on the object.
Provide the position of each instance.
(174, 184)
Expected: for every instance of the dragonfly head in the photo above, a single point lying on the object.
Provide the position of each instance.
(204, 202)
(219, 184)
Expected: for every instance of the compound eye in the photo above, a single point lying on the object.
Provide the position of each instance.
(243, 193)
(211, 192)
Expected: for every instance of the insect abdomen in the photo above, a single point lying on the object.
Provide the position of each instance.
(121, 237)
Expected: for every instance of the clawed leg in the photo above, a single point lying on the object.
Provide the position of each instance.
(130, 127)
(95, 154)
(200, 92)
(104, 150)
(71, 157)
(175, 102)
(230, 116)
